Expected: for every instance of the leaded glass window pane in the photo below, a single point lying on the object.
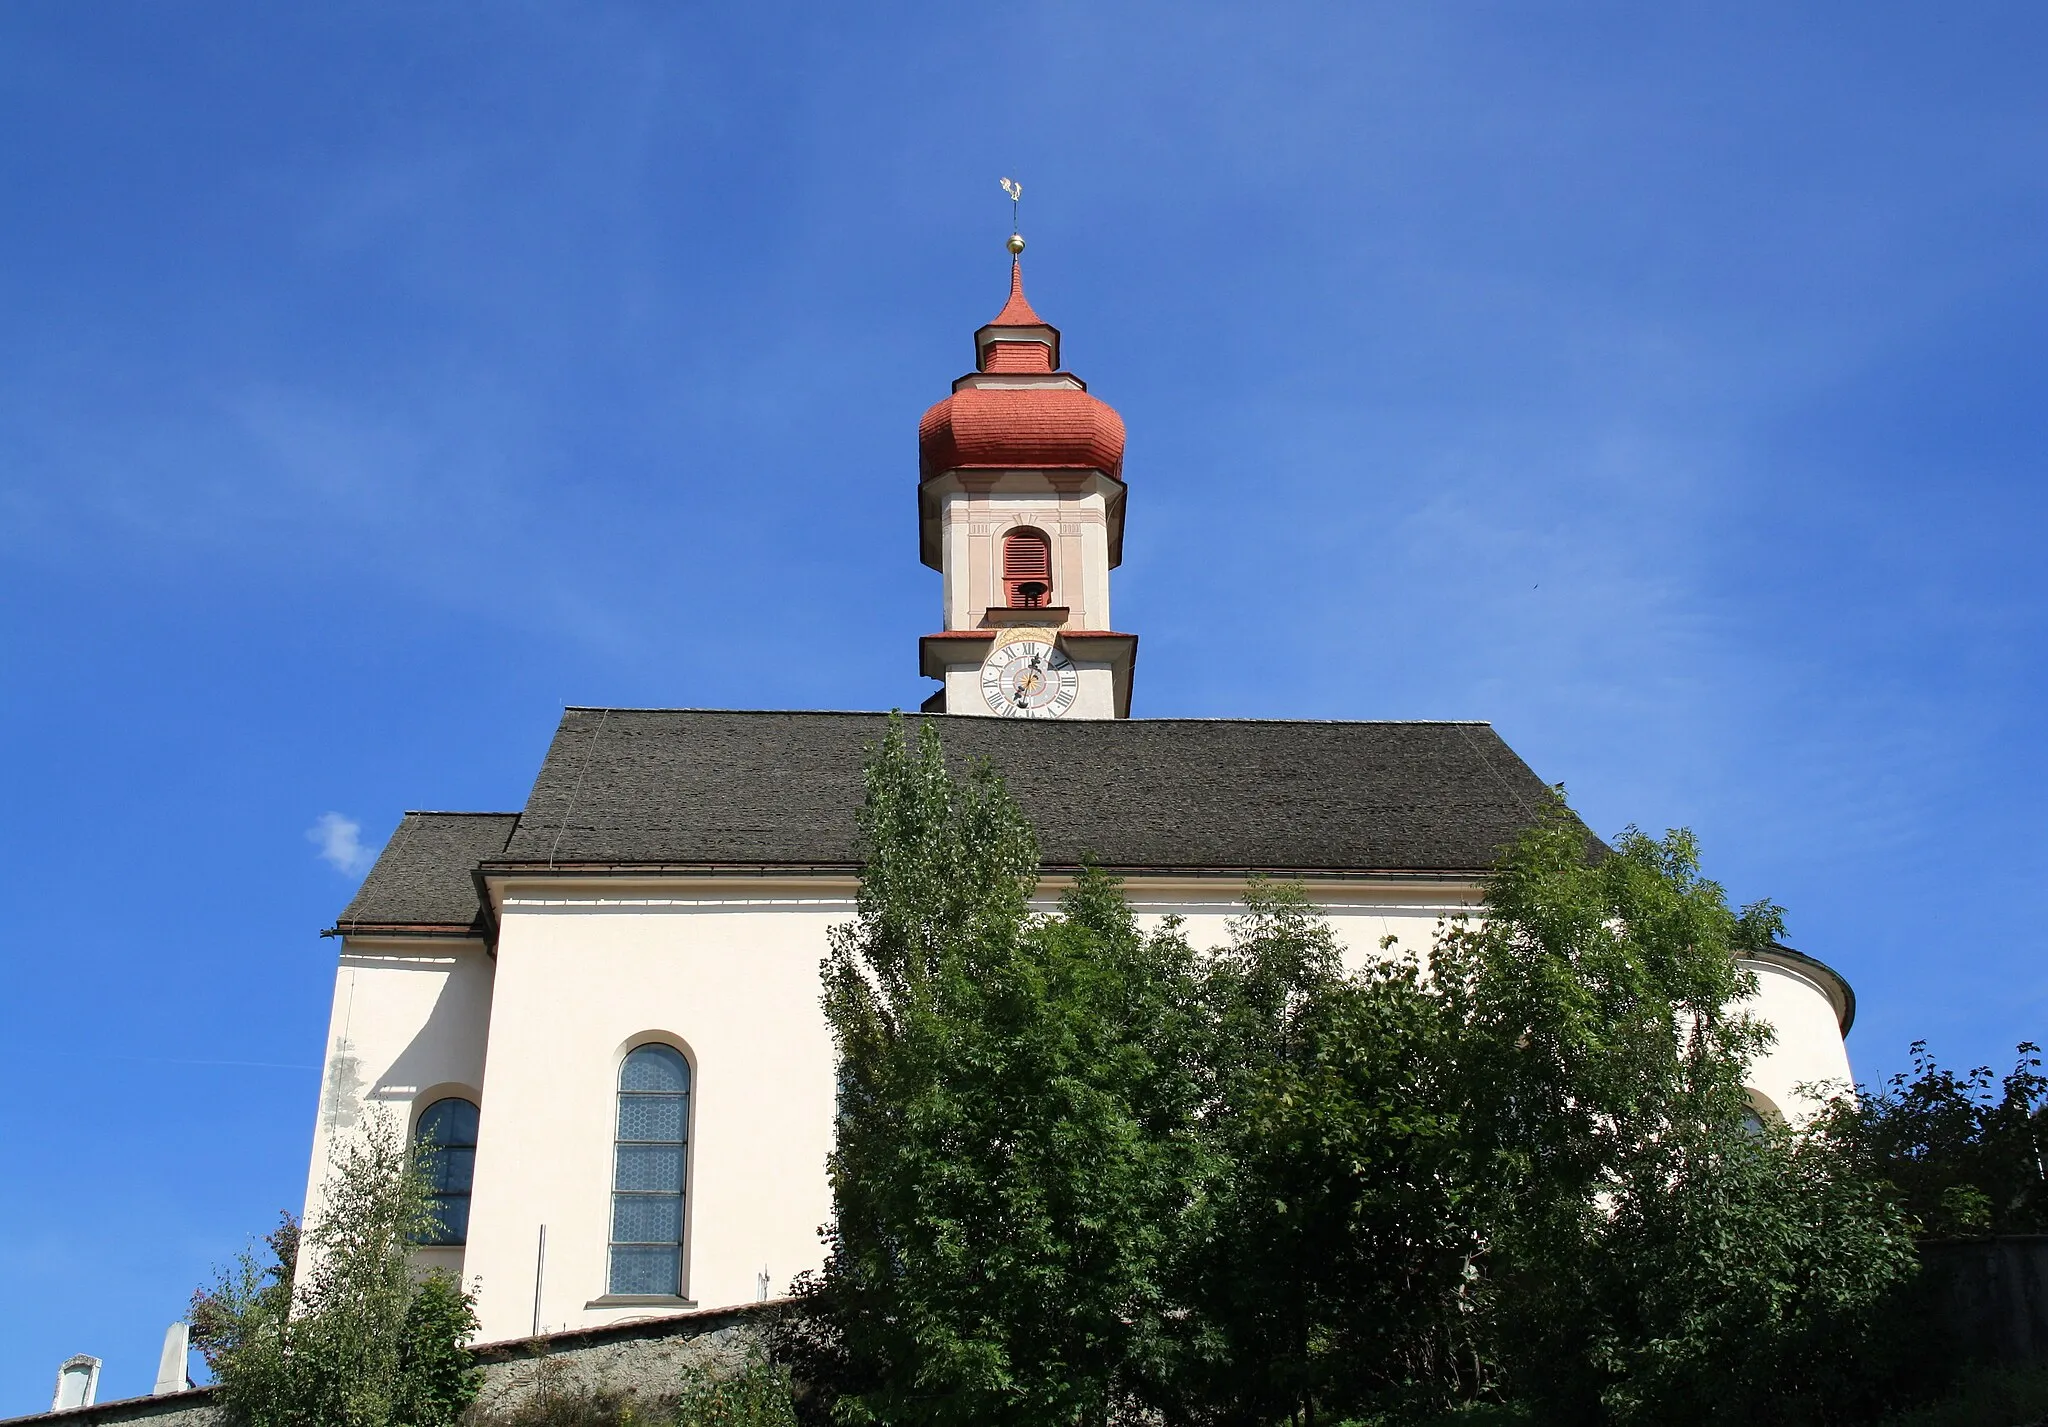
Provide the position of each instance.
(648, 1165)
(449, 1122)
(650, 1169)
(646, 1270)
(652, 1117)
(451, 1219)
(647, 1219)
(451, 1171)
(445, 1144)
(657, 1068)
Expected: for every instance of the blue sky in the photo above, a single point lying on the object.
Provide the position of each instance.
(1662, 383)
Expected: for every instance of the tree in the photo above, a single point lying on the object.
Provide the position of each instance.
(1520, 1170)
(1333, 1275)
(1965, 1157)
(1086, 1174)
(335, 1330)
(1016, 1145)
(1649, 1256)
(1747, 1276)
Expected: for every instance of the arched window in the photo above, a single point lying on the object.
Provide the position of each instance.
(647, 1172)
(1760, 1113)
(446, 1144)
(1027, 569)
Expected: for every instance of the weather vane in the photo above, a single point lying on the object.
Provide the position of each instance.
(1016, 192)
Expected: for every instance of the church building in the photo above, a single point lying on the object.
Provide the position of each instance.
(603, 1007)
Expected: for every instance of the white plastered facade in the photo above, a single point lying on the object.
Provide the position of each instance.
(1806, 1009)
(409, 1025)
(975, 513)
(1073, 514)
(1094, 696)
(727, 971)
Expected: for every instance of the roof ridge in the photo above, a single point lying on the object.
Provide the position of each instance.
(781, 787)
(1170, 718)
(461, 813)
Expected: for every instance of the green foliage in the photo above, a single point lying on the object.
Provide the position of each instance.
(1649, 1257)
(1745, 1276)
(1464, 1414)
(335, 1331)
(1590, 1006)
(1966, 1158)
(1337, 1268)
(756, 1396)
(1016, 1146)
(437, 1378)
(1986, 1397)
(1084, 1174)
(237, 1323)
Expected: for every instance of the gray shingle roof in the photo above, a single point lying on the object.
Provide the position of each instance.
(423, 875)
(713, 787)
(696, 787)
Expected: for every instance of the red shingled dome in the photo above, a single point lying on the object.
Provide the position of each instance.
(1029, 428)
(1019, 428)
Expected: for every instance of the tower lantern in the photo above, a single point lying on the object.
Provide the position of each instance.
(1021, 509)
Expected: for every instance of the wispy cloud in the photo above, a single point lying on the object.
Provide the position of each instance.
(340, 840)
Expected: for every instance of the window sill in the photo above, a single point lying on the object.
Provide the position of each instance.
(999, 615)
(641, 1300)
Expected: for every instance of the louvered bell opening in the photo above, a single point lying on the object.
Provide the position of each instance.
(1027, 569)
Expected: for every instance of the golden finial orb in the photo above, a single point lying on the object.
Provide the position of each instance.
(1015, 245)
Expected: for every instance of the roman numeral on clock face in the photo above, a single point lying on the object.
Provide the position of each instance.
(1030, 678)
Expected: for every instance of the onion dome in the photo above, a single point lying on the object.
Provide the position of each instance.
(1020, 429)
(1017, 410)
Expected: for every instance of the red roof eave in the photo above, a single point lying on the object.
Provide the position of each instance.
(1062, 633)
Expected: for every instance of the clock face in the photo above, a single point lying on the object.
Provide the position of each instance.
(1029, 678)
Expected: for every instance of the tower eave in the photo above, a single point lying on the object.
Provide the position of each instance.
(994, 332)
(938, 654)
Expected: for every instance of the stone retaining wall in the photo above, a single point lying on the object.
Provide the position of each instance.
(176, 1409)
(641, 1359)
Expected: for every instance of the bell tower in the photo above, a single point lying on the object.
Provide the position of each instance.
(1020, 504)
